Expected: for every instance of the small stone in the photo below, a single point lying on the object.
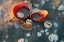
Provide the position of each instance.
(55, 31)
(61, 41)
(28, 34)
(47, 33)
(46, 30)
(26, 40)
(38, 25)
(59, 14)
(62, 12)
(34, 27)
(42, 2)
(42, 31)
(55, 25)
(36, 5)
(4, 41)
(39, 34)
(38, 29)
(61, 7)
(6, 36)
(54, 7)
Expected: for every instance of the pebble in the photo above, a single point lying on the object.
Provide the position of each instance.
(55, 25)
(47, 33)
(46, 30)
(42, 31)
(28, 34)
(39, 34)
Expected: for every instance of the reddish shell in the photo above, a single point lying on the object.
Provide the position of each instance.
(41, 13)
(19, 6)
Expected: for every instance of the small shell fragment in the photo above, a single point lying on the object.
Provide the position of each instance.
(53, 37)
(47, 24)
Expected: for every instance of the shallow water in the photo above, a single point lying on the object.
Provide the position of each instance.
(17, 33)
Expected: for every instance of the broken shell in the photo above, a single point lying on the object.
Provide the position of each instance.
(53, 37)
(47, 24)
